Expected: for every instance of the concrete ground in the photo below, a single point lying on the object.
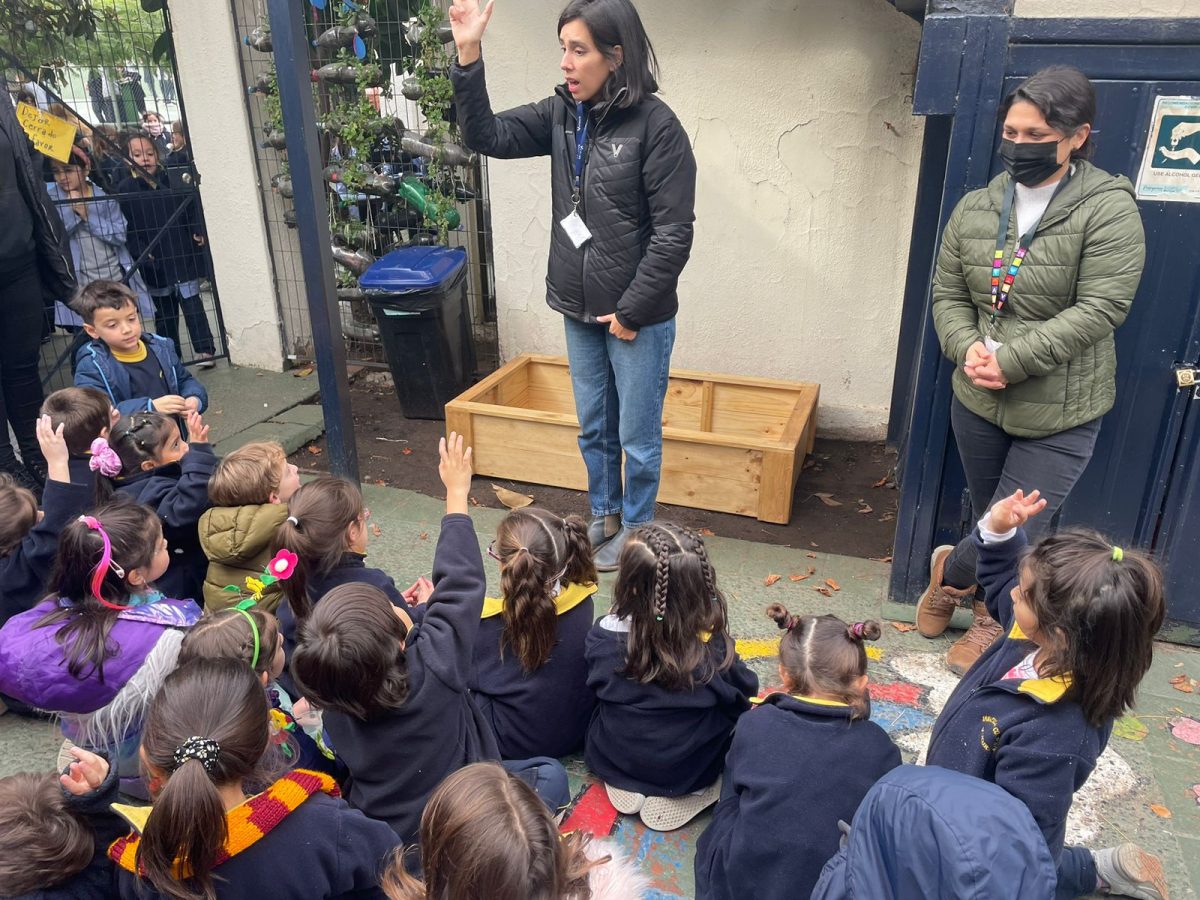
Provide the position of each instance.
(1146, 788)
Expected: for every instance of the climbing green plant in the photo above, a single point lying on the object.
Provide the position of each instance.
(437, 94)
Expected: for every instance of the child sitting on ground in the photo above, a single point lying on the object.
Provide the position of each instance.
(668, 682)
(1079, 617)
(140, 372)
(55, 831)
(205, 749)
(85, 414)
(28, 536)
(800, 762)
(249, 633)
(487, 816)
(148, 460)
(326, 527)
(249, 492)
(395, 699)
(530, 674)
(98, 647)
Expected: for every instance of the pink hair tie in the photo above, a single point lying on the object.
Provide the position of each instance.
(858, 628)
(104, 459)
(106, 562)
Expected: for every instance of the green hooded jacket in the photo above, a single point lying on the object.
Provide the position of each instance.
(1074, 288)
(237, 541)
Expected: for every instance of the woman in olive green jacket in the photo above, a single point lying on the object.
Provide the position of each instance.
(1035, 273)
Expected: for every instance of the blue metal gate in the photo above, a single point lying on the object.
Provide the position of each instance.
(1143, 484)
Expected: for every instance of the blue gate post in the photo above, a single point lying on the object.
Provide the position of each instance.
(960, 74)
(294, 76)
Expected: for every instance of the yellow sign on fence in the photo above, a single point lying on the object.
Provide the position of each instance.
(50, 134)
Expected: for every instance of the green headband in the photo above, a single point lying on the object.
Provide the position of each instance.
(242, 608)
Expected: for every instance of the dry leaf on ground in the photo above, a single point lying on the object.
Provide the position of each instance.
(882, 559)
(882, 482)
(811, 555)
(866, 510)
(424, 535)
(376, 530)
(407, 451)
(315, 451)
(833, 584)
(303, 373)
(809, 574)
(828, 500)
(1182, 683)
(824, 590)
(771, 579)
(474, 502)
(903, 627)
(511, 499)
(1159, 810)
(707, 532)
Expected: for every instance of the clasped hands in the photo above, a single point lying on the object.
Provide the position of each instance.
(983, 369)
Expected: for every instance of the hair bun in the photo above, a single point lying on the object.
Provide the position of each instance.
(785, 620)
(864, 631)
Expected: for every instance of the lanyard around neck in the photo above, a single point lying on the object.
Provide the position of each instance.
(581, 136)
(1002, 281)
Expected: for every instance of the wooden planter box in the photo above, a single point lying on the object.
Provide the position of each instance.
(730, 444)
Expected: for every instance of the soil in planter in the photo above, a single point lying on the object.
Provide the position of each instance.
(845, 500)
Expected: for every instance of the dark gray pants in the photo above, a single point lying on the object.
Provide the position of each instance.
(996, 464)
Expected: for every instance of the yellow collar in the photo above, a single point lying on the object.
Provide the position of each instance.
(1048, 690)
(569, 598)
(814, 700)
(134, 357)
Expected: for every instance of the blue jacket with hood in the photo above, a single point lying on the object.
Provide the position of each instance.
(926, 833)
(96, 367)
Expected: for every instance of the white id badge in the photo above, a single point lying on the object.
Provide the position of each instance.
(992, 344)
(576, 230)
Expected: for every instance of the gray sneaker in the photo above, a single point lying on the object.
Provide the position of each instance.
(607, 556)
(1130, 871)
(602, 528)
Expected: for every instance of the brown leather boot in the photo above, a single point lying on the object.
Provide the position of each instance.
(939, 601)
(968, 648)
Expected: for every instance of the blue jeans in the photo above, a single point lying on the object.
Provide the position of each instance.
(1076, 873)
(546, 776)
(619, 390)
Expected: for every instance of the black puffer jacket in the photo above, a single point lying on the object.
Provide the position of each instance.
(50, 242)
(639, 189)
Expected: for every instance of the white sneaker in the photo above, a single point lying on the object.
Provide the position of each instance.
(1130, 871)
(627, 802)
(669, 813)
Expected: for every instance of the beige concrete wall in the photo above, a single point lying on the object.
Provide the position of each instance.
(800, 115)
(1109, 9)
(210, 79)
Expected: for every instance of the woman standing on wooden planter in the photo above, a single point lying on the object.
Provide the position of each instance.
(623, 188)
(1035, 273)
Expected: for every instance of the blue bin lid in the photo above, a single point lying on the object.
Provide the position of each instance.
(410, 269)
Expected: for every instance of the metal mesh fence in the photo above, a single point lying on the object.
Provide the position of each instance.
(386, 126)
(128, 194)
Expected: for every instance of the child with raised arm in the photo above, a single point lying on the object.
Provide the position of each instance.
(86, 415)
(1036, 710)
(395, 696)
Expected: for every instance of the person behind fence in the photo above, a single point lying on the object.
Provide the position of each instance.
(1037, 709)
(1035, 272)
(530, 674)
(55, 829)
(485, 833)
(395, 696)
(152, 125)
(214, 829)
(801, 761)
(85, 415)
(97, 648)
(35, 271)
(249, 491)
(249, 633)
(326, 527)
(147, 460)
(138, 370)
(29, 536)
(623, 185)
(95, 228)
(169, 245)
(668, 681)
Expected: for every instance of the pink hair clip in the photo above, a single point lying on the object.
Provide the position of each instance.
(858, 628)
(106, 562)
(104, 459)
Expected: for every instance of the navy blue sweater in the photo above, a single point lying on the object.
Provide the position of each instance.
(397, 759)
(1029, 737)
(179, 494)
(796, 767)
(645, 738)
(544, 712)
(23, 573)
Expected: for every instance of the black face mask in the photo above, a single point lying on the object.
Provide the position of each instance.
(1029, 164)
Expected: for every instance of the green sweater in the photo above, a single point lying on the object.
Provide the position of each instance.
(237, 541)
(1074, 288)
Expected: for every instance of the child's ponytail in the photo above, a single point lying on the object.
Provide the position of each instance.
(207, 728)
(823, 654)
(863, 631)
(319, 514)
(580, 562)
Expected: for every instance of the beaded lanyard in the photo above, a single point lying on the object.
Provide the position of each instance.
(1002, 281)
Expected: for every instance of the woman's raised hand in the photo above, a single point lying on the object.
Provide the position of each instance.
(1014, 511)
(468, 21)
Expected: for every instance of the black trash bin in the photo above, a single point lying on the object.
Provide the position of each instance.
(419, 298)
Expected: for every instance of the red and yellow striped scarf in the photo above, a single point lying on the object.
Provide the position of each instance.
(247, 823)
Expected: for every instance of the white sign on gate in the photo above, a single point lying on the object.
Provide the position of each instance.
(1171, 164)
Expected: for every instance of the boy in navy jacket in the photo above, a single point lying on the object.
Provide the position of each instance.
(140, 372)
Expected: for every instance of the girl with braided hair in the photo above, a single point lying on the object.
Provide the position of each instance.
(529, 676)
(800, 762)
(668, 682)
